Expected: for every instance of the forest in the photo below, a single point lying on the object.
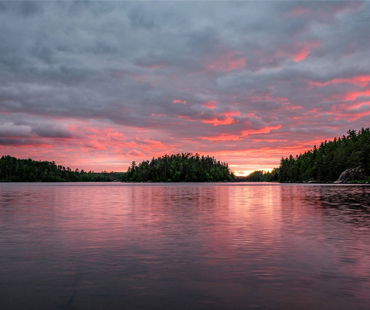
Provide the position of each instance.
(27, 170)
(324, 163)
(184, 167)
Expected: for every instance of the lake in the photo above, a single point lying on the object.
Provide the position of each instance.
(184, 246)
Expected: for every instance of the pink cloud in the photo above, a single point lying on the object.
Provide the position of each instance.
(360, 80)
(222, 137)
(355, 94)
(155, 144)
(264, 96)
(266, 129)
(244, 133)
(187, 118)
(297, 51)
(231, 113)
(210, 104)
(292, 107)
(218, 122)
(95, 145)
(301, 55)
(350, 112)
(227, 62)
(357, 105)
(303, 50)
(136, 153)
(176, 101)
(224, 118)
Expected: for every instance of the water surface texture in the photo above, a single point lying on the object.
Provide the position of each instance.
(184, 246)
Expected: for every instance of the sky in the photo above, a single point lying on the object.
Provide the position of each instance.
(97, 85)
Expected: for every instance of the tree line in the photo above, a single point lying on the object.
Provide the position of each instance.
(259, 176)
(324, 163)
(320, 164)
(27, 170)
(184, 167)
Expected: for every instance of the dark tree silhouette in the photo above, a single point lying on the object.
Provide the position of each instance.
(27, 170)
(326, 162)
(184, 167)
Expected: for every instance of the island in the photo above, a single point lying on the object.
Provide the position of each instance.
(184, 167)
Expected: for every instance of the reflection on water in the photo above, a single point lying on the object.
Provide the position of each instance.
(184, 246)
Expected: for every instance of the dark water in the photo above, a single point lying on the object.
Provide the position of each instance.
(184, 246)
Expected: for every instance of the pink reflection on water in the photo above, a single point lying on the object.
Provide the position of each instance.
(262, 245)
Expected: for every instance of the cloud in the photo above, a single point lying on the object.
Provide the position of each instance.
(179, 101)
(227, 62)
(106, 83)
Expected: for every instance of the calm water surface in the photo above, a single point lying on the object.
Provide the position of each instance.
(184, 246)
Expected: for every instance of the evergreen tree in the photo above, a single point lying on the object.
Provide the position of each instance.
(27, 170)
(179, 167)
(327, 162)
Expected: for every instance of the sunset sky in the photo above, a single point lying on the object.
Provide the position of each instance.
(97, 85)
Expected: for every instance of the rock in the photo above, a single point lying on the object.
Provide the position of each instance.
(351, 174)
